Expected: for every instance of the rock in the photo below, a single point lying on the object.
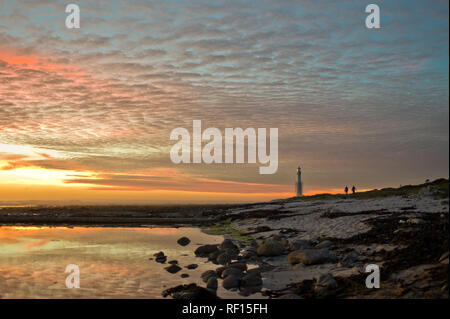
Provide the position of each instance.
(224, 259)
(290, 296)
(414, 221)
(233, 253)
(230, 271)
(158, 255)
(251, 280)
(228, 244)
(247, 291)
(192, 266)
(311, 256)
(213, 256)
(191, 291)
(325, 283)
(300, 244)
(219, 271)
(183, 241)
(160, 258)
(239, 265)
(285, 242)
(184, 275)
(324, 244)
(212, 283)
(254, 271)
(173, 269)
(208, 274)
(260, 229)
(231, 282)
(254, 244)
(270, 247)
(349, 260)
(173, 262)
(205, 250)
(248, 253)
(289, 231)
(444, 257)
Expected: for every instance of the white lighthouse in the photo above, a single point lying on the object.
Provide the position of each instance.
(299, 182)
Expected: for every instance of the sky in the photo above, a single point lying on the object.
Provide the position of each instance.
(86, 114)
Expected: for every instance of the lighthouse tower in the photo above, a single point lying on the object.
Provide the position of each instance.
(299, 182)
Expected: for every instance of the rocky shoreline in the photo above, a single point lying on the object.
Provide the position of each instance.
(326, 248)
(311, 247)
(417, 268)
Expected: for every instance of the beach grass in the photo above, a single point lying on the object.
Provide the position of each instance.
(224, 228)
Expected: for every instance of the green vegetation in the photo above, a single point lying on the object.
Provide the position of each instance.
(437, 189)
(224, 228)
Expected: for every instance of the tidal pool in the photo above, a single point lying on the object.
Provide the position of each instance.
(113, 262)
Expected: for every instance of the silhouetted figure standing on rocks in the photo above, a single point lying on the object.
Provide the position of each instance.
(353, 189)
(346, 191)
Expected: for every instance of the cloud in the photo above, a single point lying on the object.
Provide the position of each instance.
(343, 97)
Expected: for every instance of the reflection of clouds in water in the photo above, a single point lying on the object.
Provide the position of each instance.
(114, 262)
(37, 243)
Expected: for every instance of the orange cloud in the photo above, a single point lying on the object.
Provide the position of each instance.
(36, 62)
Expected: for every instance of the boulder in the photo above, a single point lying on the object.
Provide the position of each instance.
(184, 275)
(249, 253)
(212, 283)
(311, 256)
(270, 247)
(183, 241)
(191, 291)
(324, 244)
(239, 265)
(173, 262)
(255, 271)
(230, 271)
(173, 269)
(232, 252)
(224, 259)
(228, 244)
(220, 270)
(231, 282)
(324, 284)
(205, 250)
(208, 274)
(300, 244)
(213, 256)
(251, 280)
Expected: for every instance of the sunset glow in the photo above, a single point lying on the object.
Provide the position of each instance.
(86, 114)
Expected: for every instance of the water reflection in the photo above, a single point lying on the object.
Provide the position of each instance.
(114, 262)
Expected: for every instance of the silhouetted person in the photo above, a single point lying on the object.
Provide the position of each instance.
(346, 190)
(353, 189)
